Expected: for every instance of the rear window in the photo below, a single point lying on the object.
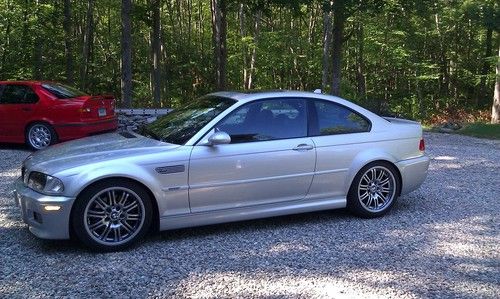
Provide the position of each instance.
(62, 91)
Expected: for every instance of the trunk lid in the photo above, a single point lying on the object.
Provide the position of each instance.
(98, 107)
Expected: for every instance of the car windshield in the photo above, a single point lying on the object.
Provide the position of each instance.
(62, 91)
(180, 125)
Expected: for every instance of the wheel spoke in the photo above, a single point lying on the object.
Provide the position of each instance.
(105, 234)
(363, 187)
(381, 175)
(382, 197)
(101, 203)
(132, 217)
(130, 206)
(96, 214)
(118, 235)
(126, 226)
(123, 198)
(376, 188)
(97, 225)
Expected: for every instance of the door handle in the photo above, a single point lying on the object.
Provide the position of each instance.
(26, 109)
(303, 147)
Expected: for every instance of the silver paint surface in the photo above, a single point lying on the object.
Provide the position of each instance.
(227, 182)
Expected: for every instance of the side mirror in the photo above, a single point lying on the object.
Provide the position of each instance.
(219, 138)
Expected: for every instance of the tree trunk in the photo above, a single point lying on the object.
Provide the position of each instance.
(486, 66)
(327, 41)
(155, 43)
(6, 43)
(219, 36)
(37, 48)
(360, 61)
(495, 109)
(126, 61)
(244, 48)
(338, 39)
(444, 78)
(88, 39)
(253, 58)
(68, 43)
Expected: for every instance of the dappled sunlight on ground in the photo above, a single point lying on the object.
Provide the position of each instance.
(439, 241)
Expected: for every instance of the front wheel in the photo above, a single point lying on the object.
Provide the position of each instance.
(112, 215)
(374, 190)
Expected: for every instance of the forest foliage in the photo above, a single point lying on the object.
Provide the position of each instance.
(416, 58)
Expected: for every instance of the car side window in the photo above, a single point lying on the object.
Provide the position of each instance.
(18, 94)
(336, 119)
(266, 120)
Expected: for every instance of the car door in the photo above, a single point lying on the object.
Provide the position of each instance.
(270, 158)
(339, 134)
(17, 105)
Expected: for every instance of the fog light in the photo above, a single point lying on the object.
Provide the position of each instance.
(52, 208)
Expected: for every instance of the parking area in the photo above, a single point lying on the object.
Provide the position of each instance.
(442, 240)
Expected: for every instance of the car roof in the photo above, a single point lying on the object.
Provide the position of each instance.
(249, 95)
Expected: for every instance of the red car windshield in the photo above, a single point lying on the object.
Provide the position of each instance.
(62, 91)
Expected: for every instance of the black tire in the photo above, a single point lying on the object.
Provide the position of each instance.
(93, 221)
(40, 135)
(367, 204)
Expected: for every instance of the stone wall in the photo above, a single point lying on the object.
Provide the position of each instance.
(131, 119)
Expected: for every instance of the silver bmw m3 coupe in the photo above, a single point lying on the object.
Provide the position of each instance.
(224, 157)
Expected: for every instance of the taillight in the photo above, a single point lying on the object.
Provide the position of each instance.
(85, 112)
(421, 145)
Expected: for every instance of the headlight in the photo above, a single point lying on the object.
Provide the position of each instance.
(45, 183)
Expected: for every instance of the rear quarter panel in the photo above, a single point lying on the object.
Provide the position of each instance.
(340, 157)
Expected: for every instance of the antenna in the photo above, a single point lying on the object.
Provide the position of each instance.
(318, 91)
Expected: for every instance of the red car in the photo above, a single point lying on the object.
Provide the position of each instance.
(42, 113)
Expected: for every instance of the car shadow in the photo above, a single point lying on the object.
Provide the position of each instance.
(14, 146)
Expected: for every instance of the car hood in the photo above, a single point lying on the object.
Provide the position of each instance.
(93, 149)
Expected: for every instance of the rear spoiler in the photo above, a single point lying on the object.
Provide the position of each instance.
(103, 97)
(401, 121)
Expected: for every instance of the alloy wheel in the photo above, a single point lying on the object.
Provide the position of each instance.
(39, 136)
(114, 216)
(376, 189)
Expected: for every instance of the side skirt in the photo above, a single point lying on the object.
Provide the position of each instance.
(252, 212)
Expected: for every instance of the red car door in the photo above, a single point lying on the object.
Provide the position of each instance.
(18, 103)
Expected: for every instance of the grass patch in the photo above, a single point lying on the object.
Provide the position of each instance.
(482, 130)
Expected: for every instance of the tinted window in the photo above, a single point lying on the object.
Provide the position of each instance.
(18, 94)
(63, 91)
(181, 124)
(266, 120)
(337, 119)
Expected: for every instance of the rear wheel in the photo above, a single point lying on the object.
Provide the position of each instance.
(40, 135)
(374, 190)
(112, 215)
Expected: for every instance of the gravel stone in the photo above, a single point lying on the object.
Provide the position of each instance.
(441, 241)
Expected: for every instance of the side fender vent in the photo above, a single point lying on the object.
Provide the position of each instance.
(170, 169)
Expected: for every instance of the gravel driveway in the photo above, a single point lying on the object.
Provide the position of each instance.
(442, 240)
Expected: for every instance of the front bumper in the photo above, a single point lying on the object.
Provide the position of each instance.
(413, 173)
(43, 224)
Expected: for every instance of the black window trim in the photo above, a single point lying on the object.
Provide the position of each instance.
(304, 99)
(313, 116)
(19, 84)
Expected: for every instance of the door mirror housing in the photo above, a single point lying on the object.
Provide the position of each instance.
(219, 138)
